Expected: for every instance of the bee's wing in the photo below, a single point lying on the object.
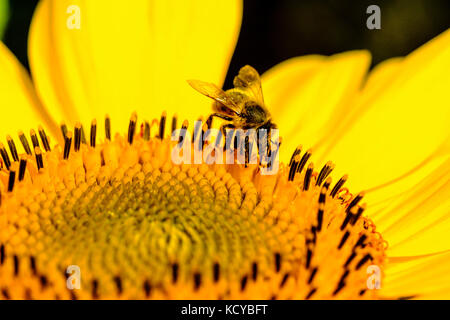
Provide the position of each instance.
(212, 91)
(249, 80)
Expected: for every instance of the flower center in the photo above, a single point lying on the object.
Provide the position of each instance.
(120, 220)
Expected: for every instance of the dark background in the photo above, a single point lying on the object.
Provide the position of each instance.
(273, 31)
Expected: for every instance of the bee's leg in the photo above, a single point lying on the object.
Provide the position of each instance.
(246, 145)
(223, 133)
(267, 136)
(277, 143)
(259, 137)
(273, 126)
(218, 115)
(247, 151)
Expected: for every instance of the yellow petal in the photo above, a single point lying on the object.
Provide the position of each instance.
(398, 150)
(127, 57)
(309, 95)
(378, 79)
(381, 77)
(21, 109)
(403, 124)
(424, 277)
(417, 221)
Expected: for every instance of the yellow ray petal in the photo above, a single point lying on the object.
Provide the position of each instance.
(310, 95)
(21, 109)
(381, 77)
(417, 222)
(130, 57)
(378, 79)
(420, 277)
(403, 124)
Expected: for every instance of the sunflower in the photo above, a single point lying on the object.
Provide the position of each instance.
(98, 210)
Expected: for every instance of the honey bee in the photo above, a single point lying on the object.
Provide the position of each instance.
(242, 107)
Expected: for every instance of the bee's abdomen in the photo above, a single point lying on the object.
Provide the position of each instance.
(254, 113)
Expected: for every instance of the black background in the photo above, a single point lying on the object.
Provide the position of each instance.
(273, 31)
